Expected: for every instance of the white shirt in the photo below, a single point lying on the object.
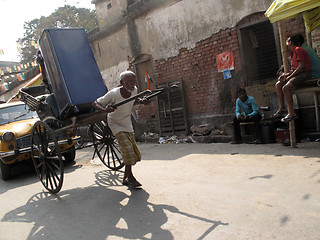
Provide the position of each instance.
(120, 119)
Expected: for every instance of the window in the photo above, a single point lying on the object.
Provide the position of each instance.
(259, 51)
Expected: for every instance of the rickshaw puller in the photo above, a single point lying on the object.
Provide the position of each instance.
(119, 121)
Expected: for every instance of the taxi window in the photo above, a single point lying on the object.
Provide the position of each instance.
(15, 113)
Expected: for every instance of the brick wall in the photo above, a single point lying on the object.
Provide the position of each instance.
(205, 89)
(206, 92)
(294, 26)
(209, 98)
(316, 40)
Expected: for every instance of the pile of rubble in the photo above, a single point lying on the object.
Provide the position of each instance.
(154, 138)
(199, 134)
(206, 133)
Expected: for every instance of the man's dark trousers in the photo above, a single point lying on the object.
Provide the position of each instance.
(257, 127)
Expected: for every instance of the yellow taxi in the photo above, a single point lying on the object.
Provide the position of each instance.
(16, 122)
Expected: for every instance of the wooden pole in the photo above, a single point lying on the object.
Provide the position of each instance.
(284, 54)
(292, 132)
(309, 39)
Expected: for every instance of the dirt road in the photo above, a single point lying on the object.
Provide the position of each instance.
(190, 191)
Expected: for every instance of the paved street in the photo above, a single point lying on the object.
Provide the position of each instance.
(190, 191)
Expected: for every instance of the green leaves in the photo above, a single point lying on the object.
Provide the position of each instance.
(63, 17)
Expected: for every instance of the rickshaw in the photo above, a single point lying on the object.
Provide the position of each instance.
(72, 82)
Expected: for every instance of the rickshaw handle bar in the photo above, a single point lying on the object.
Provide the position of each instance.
(146, 92)
(131, 98)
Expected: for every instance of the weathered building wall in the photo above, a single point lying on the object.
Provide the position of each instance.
(316, 40)
(167, 29)
(207, 93)
(109, 18)
(111, 52)
(183, 38)
(163, 27)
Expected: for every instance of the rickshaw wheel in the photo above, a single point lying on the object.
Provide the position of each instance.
(46, 157)
(106, 145)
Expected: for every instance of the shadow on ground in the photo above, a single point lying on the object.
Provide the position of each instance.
(24, 173)
(100, 212)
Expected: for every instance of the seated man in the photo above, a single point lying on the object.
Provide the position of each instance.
(246, 111)
(314, 59)
(300, 71)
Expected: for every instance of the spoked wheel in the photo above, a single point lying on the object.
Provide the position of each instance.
(46, 156)
(106, 145)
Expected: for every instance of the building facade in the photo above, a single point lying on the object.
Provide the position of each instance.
(182, 41)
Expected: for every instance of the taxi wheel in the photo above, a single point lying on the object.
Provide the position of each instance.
(106, 145)
(46, 156)
(5, 171)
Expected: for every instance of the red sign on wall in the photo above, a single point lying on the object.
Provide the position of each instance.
(225, 61)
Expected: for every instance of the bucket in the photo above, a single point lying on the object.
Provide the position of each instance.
(267, 135)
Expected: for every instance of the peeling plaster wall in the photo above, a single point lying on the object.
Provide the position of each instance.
(112, 49)
(111, 55)
(183, 37)
(166, 30)
(106, 17)
(111, 76)
(163, 31)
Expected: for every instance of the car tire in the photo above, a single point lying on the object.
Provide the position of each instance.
(70, 155)
(5, 171)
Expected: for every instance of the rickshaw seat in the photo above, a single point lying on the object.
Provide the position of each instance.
(53, 105)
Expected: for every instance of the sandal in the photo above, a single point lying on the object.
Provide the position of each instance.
(279, 114)
(132, 182)
(125, 181)
(289, 118)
